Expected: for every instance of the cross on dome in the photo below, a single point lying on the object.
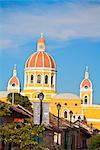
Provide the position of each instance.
(41, 35)
(87, 68)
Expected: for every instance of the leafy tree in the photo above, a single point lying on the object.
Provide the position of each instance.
(95, 142)
(22, 136)
(4, 110)
(21, 100)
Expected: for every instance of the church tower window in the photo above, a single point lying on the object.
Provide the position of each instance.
(65, 114)
(32, 78)
(51, 80)
(81, 101)
(85, 99)
(46, 79)
(13, 84)
(39, 78)
(86, 87)
(27, 79)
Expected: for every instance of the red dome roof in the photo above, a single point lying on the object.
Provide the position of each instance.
(86, 82)
(41, 40)
(14, 80)
(40, 59)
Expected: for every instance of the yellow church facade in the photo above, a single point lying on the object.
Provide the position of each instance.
(40, 76)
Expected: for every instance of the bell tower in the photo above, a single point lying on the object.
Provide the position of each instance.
(14, 83)
(86, 89)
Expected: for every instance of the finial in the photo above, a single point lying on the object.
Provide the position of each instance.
(15, 66)
(86, 68)
(14, 71)
(86, 73)
(41, 35)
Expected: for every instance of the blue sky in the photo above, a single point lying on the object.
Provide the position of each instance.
(72, 32)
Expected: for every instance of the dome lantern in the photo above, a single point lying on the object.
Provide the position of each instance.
(41, 43)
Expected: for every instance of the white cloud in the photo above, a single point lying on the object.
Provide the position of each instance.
(59, 23)
(5, 43)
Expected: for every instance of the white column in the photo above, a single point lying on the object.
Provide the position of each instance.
(25, 80)
(54, 81)
(28, 78)
(42, 78)
(35, 78)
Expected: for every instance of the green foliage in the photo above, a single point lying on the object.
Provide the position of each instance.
(95, 142)
(22, 136)
(4, 110)
(21, 100)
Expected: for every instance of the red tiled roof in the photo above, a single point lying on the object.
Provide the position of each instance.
(40, 59)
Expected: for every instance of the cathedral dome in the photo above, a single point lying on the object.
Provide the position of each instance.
(40, 59)
(40, 70)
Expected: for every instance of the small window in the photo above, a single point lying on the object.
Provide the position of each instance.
(32, 78)
(40, 46)
(13, 84)
(39, 79)
(26, 79)
(86, 87)
(65, 114)
(85, 99)
(51, 80)
(46, 79)
(81, 101)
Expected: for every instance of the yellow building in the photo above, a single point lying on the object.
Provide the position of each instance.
(40, 76)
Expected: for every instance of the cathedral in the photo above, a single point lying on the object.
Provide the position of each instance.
(40, 76)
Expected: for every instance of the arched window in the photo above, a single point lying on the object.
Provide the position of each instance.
(46, 79)
(65, 114)
(86, 86)
(39, 78)
(13, 84)
(81, 101)
(32, 78)
(51, 80)
(85, 99)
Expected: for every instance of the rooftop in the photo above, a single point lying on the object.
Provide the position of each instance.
(68, 96)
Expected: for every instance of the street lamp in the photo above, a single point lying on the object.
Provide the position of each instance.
(79, 119)
(41, 97)
(70, 132)
(91, 127)
(58, 108)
